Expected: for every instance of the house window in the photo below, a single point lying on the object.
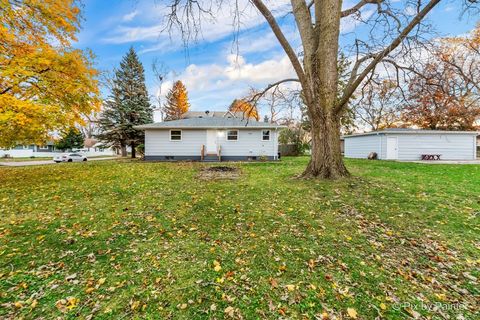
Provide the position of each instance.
(232, 135)
(265, 135)
(175, 135)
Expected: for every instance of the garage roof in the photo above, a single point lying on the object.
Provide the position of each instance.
(410, 131)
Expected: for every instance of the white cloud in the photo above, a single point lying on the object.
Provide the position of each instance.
(153, 29)
(232, 79)
(263, 40)
(130, 16)
(410, 11)
(350, 23)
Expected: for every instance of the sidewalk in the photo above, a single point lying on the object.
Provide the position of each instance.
(43, 162)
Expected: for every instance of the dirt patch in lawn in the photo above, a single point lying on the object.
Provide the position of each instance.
(219, 173)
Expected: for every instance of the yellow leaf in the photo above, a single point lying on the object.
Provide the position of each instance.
(72, 302)
(217, 266)
(134, 305)
(290, 287)
(383, 306)
(352, 313)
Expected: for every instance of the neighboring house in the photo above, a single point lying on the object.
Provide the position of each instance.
(205, 137)
(411, 144)
(91, 148)
(27, 150)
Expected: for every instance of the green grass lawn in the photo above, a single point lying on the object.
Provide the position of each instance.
(129, 239)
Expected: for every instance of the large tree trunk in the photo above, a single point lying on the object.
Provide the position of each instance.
(326, 161)
(322, 77)
(134, 154)
(123, 147)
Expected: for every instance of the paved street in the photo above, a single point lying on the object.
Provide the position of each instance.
(42, 162)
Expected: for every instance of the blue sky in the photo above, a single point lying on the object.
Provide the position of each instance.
(212, 71)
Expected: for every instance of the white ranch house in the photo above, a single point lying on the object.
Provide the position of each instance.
(411, 144)
(211, 138)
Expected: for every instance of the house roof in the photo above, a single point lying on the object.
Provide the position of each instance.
(89, 142)
(409, 131)
(210, 122)
(205, 114)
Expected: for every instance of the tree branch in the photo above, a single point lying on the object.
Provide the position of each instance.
(356, 8)
(303, 18)
(284, 43)
(254, 99)
(350, 89)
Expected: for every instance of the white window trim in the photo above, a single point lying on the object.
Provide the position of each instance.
(226, 135)
(181, 135)
(269, 134)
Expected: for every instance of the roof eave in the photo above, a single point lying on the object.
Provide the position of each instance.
(207, 127)
(411, 132)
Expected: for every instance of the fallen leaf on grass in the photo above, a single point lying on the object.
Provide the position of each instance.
(352, 313)
(273, 283)
(290, 287)
(229, 311)
(216, 266)
(413, 313)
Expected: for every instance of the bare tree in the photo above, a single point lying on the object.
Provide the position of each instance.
(160, 70)
(393, 28)
(90, 128)
(277, 103)
(378, 105)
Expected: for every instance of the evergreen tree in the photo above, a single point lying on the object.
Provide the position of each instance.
(177, 102)
(71, 139)
(128, 106)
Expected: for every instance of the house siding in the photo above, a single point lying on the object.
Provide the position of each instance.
(157, 143)
(412, 146)
(361, 146)
(450, 146)
(249, 144)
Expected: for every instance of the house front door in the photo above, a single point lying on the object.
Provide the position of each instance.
(392, 148)
(211, 142)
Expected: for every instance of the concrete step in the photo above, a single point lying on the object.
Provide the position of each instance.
(210, 158)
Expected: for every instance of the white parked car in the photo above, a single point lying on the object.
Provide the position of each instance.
(70, 157)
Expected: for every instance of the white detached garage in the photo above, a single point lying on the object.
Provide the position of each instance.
(411, 144)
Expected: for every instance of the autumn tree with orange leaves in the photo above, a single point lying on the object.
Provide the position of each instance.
(45, 84)
(177, 102)
(245, 107)
(445, 94)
